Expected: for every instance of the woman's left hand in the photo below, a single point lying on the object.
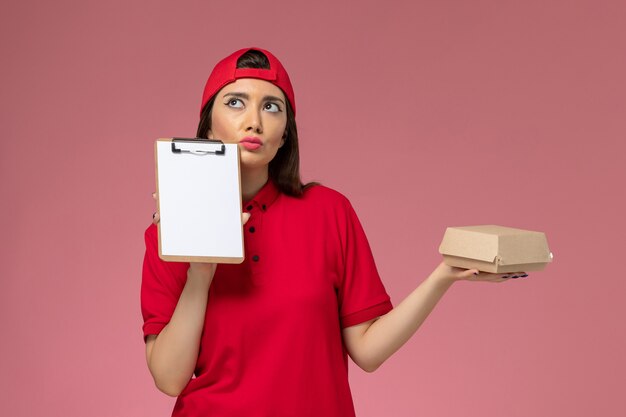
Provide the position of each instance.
(452, 274)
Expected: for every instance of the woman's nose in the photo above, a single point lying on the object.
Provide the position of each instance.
(254, 123)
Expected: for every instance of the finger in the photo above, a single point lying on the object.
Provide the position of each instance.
(156, 218)
(496, 278)
(154, 195)
(469, 274)
(486, 277)
(514, 275)
(245, 217)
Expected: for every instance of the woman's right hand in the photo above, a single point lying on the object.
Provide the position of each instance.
(155, 215)
(173, 354)
(200, 270)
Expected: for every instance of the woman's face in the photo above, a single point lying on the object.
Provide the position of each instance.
(252, 113)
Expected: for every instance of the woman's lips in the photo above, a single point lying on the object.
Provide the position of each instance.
(251, 143)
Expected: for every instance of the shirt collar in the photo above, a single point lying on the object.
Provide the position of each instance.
(264, 198)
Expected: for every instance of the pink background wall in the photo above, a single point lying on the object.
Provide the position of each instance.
(425, 114)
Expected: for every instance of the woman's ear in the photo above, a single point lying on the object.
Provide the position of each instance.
(284, 138)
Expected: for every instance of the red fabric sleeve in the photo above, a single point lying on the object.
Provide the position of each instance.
(362, 295)
(161, 285)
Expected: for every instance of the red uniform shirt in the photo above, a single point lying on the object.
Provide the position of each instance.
(272, 344)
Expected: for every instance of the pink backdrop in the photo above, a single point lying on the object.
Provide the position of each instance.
(425, 114)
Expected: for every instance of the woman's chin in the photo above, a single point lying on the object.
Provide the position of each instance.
(252, 164)
(254, 160)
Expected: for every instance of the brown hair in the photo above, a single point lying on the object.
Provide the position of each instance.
(284, 169)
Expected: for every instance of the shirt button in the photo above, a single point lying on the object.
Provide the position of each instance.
(249, 207)
(255, 258)
(251, 229)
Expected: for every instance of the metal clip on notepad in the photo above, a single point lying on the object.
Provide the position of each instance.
(198, 146)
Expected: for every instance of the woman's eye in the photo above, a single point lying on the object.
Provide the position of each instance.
(272, 107)
(235, 102)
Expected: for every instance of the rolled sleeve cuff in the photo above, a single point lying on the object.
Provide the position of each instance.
(152, 328)
(366, 314)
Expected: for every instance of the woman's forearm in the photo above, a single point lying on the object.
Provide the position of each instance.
(387, 334)
(174, 353)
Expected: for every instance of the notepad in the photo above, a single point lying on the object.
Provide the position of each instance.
(199, 201)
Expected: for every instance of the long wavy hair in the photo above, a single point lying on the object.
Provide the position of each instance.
(284, 169)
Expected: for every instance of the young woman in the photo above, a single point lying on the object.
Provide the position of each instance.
(271, 336)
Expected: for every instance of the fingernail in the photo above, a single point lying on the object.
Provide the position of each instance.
(506, 276)
(523, 276)
(514, 276)
(475, 273)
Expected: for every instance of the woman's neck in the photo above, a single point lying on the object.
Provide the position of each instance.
(252, 180)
